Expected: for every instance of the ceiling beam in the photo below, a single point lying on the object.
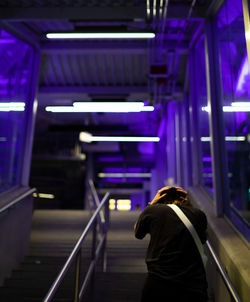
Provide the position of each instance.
(135, 47)
(72, 13)
(76, 90)
(90, 47)
(121, 13)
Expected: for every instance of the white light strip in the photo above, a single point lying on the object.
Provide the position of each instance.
(147, 35)
(97, 105)
(124, 139)
(122, 175)
(235, 138)
(101, 107)
(233, 108)
(148, 108)
(85, 137)
(227, 138)
(12, 106)
(241, 104)
(44, 195)
(88, 138)
(236, 108)
(123, 204)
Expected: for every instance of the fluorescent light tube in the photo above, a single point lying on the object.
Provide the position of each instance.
(147, 35)
(124, 139)
(109, 106)
(12, 106)
(89, 138)
(233, 108)
(101, 107)
(227, 138)
(236, 108)
(122, 175)
(85, 137)
(123, 204)
(44, 195)
(241, 104)
(148, 108)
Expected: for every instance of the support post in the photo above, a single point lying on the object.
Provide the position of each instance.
(77, 276)
(216, 120)
(93, 259)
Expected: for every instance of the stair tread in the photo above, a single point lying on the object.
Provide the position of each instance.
(126, 269)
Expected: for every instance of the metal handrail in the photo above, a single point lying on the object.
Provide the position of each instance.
(76, 253)
(17, 199)
(96, 199)
(223, 273)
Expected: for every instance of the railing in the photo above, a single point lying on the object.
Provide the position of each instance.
(76, 252)
(16, 200)
(223, 273)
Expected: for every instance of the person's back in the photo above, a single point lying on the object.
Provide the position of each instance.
(175, 268)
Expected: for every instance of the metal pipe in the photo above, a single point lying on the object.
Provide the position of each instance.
(67, 265)
(87, 278)
(164, 17)
(148, 9)
(179, 39)
(91, 268)
(223, 272)
(93, 257)
(96, 199)
(154, 9)
(77, 276)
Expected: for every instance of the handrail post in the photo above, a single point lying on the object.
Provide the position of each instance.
(93, 256)
(105, 227)
(75, 253)
(106, 216)
(77, 276)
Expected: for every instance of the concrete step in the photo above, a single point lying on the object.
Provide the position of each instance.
(54, 234)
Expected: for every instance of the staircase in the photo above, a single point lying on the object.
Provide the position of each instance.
(54, 233)
(126, 267)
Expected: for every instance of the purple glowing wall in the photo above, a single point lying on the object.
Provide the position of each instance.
(235, 80)
(15, 70)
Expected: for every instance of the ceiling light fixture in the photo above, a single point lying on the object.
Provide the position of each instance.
(227, 138)
(122, 35)
(88, 138)
(122, 175)
(101, 107)
(12, 106)
(241, 104)
(233, 108)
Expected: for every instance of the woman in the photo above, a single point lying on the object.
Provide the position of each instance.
(175, 268)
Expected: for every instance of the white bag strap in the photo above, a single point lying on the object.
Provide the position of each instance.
(190, 227)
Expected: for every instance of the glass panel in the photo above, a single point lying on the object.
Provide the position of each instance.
(236, 106)
(203, 118)
(15, 64)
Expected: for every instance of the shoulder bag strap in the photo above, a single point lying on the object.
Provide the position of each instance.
(190, 227)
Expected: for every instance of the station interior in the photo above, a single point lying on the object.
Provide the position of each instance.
(113, 100)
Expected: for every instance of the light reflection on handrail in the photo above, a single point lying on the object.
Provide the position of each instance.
(223, 272)
(74, 252)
